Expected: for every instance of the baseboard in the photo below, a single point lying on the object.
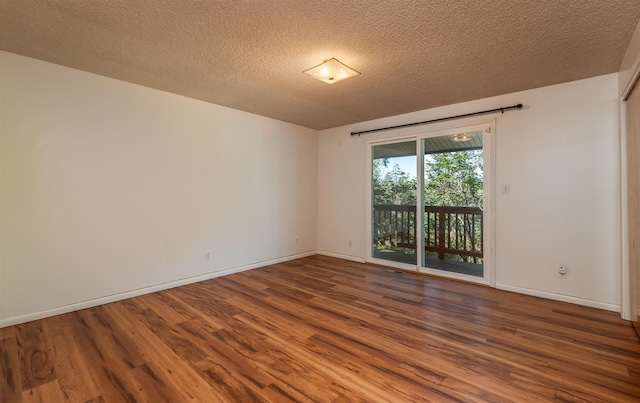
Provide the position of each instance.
(146, 290)
(177, 283)
(341, 256)
(560, 297)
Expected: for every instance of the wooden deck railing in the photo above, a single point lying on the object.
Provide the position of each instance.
(447, 229)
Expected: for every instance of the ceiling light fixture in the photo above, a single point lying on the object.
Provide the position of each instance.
(331, 71)
(461, 137)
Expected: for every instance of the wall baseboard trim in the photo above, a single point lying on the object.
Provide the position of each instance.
(560, 297)
(341, 256)
(146, 290)
(220, 273)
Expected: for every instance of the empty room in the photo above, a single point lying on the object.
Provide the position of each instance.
(314, 201)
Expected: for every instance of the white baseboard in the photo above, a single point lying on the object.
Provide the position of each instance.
(341, 256)
(177, 283)
(146, 290)
(560, 297)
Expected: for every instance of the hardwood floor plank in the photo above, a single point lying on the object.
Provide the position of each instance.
(181, 374)
(98, 399)
(398, 378)
(293, 329)
(320, 329)
(153, 385)
(445, 368)
(10, 382)
(229, 358)
(276, 393)
(7, 332)
(348, 381)
(111, 339)
(274, 336)
(273, 358)
(214, 311)
(119, 312)
(583, 336)
(68, 361)
(163, 307)
(530, 358)
(108, 367)
(230, 386)
(44, 393)
(35, 356)
(181, 345)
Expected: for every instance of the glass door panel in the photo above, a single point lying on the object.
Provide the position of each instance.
(394, 224)
(453, 178)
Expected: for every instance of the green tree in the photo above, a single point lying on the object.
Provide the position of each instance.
(453, 179)
(395, 187)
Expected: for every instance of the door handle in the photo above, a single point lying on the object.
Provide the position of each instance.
(481, 204)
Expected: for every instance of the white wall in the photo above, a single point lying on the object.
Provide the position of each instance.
(560, 154)
(110, 189)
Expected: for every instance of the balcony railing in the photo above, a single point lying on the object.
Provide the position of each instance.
(447, 229)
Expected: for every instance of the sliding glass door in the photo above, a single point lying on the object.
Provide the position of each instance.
(429, 203)
(394, 196)
(452, 203)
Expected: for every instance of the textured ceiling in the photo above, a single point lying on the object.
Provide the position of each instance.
(250, 54)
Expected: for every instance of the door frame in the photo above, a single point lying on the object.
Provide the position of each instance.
(628, 294)
(368, 219)
(489, 128)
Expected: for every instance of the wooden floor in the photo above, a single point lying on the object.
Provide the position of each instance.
(320, 329)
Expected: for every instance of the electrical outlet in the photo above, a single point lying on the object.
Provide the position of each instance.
(562, 271)
(350, 242)
(207, 256)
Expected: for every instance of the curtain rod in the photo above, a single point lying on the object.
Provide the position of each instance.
(503, 109)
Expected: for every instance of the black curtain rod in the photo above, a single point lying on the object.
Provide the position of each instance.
(503, 109)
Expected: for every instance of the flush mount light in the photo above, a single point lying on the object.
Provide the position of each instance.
(331, 71)
(461, 137)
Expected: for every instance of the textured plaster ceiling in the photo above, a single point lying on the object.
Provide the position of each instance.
(250, 54)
